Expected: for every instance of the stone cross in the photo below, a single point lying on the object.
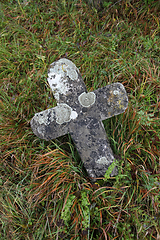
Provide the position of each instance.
(80, 113)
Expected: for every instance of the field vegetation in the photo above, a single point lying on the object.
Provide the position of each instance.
(45, 192)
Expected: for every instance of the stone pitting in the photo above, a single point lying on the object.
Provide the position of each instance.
(80, 113)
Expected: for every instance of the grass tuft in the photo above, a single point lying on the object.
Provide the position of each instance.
(45, 192)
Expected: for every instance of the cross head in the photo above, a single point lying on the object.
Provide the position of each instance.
(80, 113)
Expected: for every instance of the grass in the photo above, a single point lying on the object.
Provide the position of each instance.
(45, 192)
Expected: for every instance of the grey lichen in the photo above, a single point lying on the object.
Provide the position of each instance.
(68, 68)
(64, 113)
(103, 160)
(116, 92)
(45, 117)
(87, 99)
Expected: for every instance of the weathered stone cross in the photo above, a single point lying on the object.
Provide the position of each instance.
(80, 114)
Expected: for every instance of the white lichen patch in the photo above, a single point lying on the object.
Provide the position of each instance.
(45, 117)
(87, 99)
(116, 92)
(73, 115)
(103, 160)
(58, 84)
(91, 173)
(64, 113)
(57, 76)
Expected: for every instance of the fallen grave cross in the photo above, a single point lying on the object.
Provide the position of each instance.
(80, 113)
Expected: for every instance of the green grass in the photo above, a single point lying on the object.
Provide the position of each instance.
(45, 192)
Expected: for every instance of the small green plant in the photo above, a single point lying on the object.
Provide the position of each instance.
(110, 169)
(85, 210)
(106, 4)
(145, 118)
(84, 206)
(149, 1)
(66, 212)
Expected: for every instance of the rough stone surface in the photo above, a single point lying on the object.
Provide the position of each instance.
(80, 114)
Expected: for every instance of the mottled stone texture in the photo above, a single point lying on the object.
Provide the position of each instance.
(80, 114)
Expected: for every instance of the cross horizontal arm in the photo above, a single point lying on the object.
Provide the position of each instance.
(111, 100)
(52, 123)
